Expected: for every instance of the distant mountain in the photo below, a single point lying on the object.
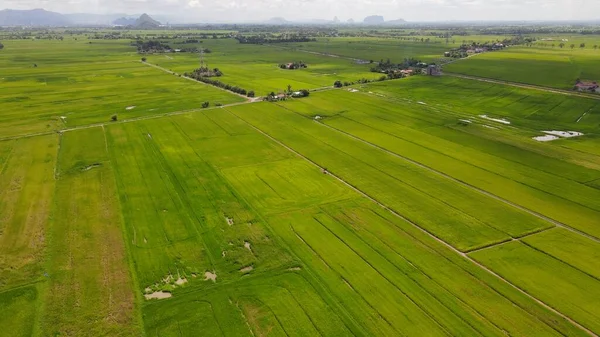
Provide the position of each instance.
(145, 22)
(395, 22)
(277, 21)
(124, 21)
(34, 17)
(350, 21)
(374, 20)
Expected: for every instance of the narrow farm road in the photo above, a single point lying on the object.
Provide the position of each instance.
(447, 245)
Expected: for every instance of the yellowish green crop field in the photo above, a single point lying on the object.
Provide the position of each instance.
(413, 207)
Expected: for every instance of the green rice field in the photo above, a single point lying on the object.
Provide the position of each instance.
(421, 206)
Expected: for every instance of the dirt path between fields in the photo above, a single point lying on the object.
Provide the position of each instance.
(431, 235)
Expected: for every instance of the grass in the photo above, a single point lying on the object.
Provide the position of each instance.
(86, 227)
(573, 293)
(77, 83)
(538, 65)
(255, 67)
(97, 216)
(568, 247)
(464, 218)
(26, 194)
(377, 49)
(18, 310)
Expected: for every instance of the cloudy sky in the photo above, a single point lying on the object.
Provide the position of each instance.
(255, 10)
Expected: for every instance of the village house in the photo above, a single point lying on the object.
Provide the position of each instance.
(432, 70)
(587, 86)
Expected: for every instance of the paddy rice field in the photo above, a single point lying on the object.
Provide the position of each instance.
(414, 207)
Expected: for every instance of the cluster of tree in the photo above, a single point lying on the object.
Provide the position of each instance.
(391, 68)
(205, 72)
(219, 84)
(293, 65)
(1, 45)
(258, 39)
(339, 84)
(560, 45)
(151, 46)
(191, 41)
(479, 47)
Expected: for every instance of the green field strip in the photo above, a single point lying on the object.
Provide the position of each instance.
(578, 193)
(517, 140)
(26, 192)
(383, 232)
(212, 202)
(404, 316)
(281, 304)
(561, 286)
(580, 218)
(441, 314)
(6, 148)
(87, 263)
(516, 154)
(18, 311)
(512, 224)
(163, 239)
(570, 248)
(367, 181)
(542, 311)
(275, 187)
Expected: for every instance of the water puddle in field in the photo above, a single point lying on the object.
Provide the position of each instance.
(565, 134)
(157, 295)
(246, 269)
(89, 167)
(554, 135)
(499, 120)
(223, 253)
(294, 269)
(545, 138)
(210, 276)
(181, 281)
(247, 245)
(229, 221)
(489, 127)
(130, 107)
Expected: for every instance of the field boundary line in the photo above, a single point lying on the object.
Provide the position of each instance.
(464, 255)
(522, 85)
(484, 192)
(509, 241)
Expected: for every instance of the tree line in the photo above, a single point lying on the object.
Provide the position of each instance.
(257, 39)
(197, 75)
